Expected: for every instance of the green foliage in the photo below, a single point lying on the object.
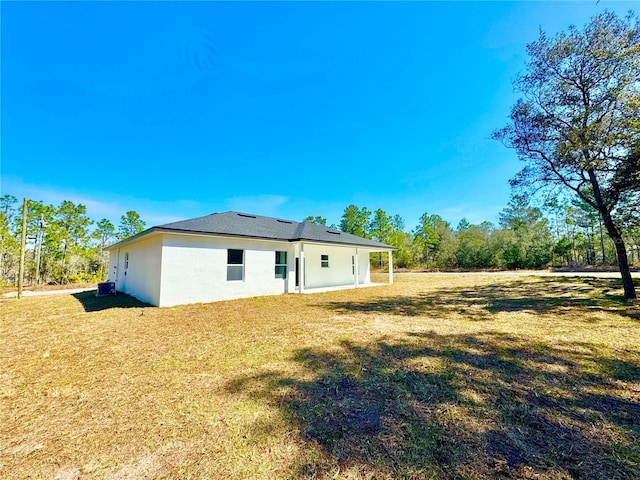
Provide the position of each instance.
(433, 236)
(317, 219)
(356, 221)
(72, 251)
(530, 244)
(130, 224)
(9, 244)
(576, 125)
(69, 250)
(105, 232)
(474, 247)
(381, 228)
(463, 224)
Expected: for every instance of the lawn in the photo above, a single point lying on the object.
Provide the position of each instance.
(436, 376)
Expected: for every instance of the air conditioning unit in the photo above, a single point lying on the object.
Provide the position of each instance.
(106, 288)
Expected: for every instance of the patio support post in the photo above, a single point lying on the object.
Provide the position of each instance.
(390, 267)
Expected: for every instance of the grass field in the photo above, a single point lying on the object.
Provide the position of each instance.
(475, 376)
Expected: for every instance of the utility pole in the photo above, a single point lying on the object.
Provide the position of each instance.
(23, 242)
(39, 247)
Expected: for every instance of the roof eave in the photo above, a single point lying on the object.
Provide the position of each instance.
(232, 235)
(380, 246)
(131, 239)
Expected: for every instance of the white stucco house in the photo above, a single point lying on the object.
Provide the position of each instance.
(234, 255)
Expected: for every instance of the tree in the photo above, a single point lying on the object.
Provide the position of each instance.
(130, 224)
(463, 224)
(104, 233)
(9, 244)
(356, 221)
(445, 255)
(39, 219)
(473, 247)
(576, 126)
(531, 241)
(380, 229)
(428, 233)
(67, 235)
(317, 219)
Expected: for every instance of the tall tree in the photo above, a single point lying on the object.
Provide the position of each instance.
(463, 224)
(356, 221)
(397, 222)
(130, 224)
(104, 233)
(576, 126)
(381, 229)
(428, 233)
(9, 244)
(473, 245)
(39, 220)
(531, 245)
(68, 234)
(317, 219)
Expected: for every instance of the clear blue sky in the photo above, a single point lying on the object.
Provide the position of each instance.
(286, 109)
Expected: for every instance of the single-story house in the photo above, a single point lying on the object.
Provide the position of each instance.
(234, 255)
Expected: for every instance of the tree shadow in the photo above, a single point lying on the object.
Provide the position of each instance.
(482, 302)
(92, 303)
(459, 406)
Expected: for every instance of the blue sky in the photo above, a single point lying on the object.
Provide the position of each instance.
(285, 109)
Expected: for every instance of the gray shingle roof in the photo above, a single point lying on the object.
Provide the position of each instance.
(238, 224)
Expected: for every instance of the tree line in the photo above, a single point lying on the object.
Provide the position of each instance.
(63, 244)
(561, 232)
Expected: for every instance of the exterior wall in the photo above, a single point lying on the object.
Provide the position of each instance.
(173, 269)
(194, 269)
(340, 270)
(141, 278)
(364, 266)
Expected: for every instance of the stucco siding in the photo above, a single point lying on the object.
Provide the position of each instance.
(194, 269)
(364, 266)
(135, 268)
(340, 270)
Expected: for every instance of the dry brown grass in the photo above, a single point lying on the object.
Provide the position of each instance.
(437, 376)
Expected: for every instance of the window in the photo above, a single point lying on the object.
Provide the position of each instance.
(324, 261)
(281, 264)
(126, 260)
(235, 265)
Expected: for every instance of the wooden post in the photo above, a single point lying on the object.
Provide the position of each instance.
(23, 243)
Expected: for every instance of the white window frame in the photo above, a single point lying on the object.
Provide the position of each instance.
(324, 262)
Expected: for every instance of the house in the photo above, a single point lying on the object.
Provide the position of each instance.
(234, 255)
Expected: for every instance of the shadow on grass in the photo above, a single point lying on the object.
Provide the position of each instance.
(482, 406)
(455, 406)
(480, 303)
(92, 303)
